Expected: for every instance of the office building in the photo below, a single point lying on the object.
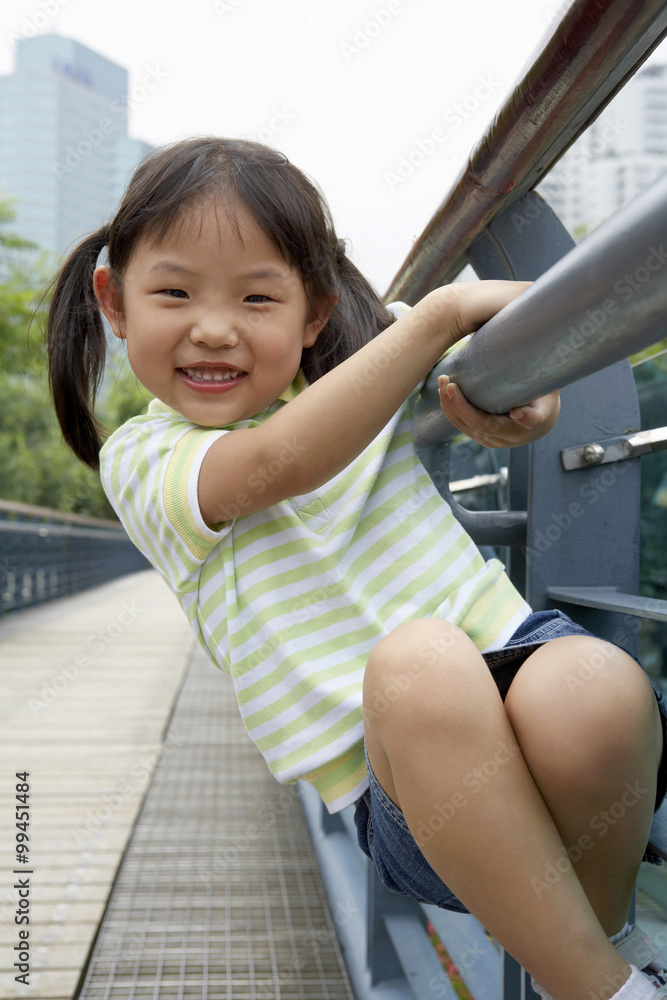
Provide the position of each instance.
(622, 153)
(65, 155)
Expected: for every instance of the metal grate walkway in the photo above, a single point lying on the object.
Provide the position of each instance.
(218, 895)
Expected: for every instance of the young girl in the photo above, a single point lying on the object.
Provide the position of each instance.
(274, 484)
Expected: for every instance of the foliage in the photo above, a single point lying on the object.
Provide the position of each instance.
(450, 969)
(37, 467)
(122, 395)
(650, 371)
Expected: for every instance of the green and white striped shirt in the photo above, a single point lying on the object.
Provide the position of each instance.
(292, 599)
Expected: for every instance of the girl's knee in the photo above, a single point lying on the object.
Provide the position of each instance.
(413, 649)
(581, 673)
(578, 695)
(422, 669)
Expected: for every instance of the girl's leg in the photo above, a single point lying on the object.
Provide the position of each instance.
(587, 721)
(446, 748)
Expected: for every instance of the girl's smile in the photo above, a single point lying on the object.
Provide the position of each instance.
(214, 318)
(209, 377)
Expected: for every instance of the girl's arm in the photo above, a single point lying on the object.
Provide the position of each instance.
(316, 435)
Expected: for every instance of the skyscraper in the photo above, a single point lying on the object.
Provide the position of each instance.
(622, 153)
(65, 154)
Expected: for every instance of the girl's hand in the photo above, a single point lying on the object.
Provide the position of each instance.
(524, 424)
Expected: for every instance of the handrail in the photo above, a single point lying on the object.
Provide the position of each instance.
(33, 512)
(47, 554)
(575, 72)
(604, 300)
(556, 531)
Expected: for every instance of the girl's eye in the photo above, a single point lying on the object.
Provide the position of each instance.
(174, 293)
(254, 299)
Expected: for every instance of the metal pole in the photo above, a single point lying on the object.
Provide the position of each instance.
(575, 72)
(604, 300)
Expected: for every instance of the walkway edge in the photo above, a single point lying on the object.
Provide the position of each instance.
(87, 687)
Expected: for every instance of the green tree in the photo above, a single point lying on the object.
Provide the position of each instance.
(36, 466)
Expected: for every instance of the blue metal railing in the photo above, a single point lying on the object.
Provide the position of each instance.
(46, 554)
(571, 533)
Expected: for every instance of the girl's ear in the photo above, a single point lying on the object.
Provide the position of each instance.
(108, 298)
(315, 326)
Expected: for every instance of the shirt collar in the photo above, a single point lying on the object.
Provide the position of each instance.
(293, 390)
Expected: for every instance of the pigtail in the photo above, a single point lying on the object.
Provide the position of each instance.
(358, 317)
(77, 349)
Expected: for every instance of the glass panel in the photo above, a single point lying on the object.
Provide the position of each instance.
(651, 382)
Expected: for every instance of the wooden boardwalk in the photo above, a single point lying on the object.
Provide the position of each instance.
(128, 733)
(86, 686)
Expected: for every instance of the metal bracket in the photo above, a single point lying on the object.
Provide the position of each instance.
(610, 599)
(616, 449)
(480, 482)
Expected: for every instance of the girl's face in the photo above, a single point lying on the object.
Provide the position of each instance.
(215, 324)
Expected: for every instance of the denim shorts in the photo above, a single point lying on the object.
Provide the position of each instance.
(382, 831)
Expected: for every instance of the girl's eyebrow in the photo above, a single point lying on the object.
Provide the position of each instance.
(255, 275)
(263, 272)
(170, 267)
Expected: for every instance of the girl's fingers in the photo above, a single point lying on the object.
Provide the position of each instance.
(466, 417)
(525, 423)
(538, 412)
(531, 415)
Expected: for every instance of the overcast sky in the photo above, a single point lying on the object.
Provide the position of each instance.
(344, 88)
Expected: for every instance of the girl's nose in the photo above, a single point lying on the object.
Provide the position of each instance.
(214, 331)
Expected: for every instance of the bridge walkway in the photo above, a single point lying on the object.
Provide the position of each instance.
(164, 860)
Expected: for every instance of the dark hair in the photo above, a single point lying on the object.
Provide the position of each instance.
(285, 204)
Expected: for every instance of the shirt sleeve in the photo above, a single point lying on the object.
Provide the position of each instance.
(180, 492)
(150, 472)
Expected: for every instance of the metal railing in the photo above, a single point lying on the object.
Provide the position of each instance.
(46, 554)
(585, 60)
(585, 313)
(571, 532)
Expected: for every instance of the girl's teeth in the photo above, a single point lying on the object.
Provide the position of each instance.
(202, 375)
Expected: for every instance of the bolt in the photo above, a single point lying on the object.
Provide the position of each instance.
(592, 454)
